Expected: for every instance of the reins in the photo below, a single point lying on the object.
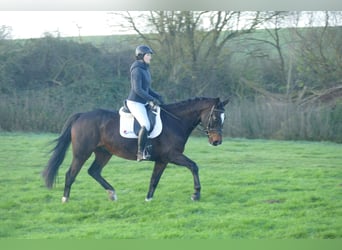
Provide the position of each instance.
(203, 129)
(170, 114)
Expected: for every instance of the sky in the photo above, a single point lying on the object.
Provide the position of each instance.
(33, 24)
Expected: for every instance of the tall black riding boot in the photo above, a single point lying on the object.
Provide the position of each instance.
(142, 139)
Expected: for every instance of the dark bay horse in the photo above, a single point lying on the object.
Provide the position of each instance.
(98, 132)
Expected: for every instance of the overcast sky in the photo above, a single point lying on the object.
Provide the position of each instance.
(33, 24)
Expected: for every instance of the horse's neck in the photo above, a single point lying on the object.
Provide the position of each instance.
(188, 116)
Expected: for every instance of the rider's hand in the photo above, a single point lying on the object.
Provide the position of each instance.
(153, 104)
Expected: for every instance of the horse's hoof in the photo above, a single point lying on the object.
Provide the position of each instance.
(113, 198)
(64, 199)
(195, 197)
(148, 199)
(112, 195)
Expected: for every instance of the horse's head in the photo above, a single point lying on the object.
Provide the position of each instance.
(213, 122)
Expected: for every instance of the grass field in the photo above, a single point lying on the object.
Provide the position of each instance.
(251, 189)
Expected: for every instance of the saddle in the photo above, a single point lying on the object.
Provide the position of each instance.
(129, 126)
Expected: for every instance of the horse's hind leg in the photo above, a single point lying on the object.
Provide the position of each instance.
(70, 176)
(101, 158)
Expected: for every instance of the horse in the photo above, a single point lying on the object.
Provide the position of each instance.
(97, 132)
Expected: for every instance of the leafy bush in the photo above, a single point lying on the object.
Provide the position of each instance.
(272, 119)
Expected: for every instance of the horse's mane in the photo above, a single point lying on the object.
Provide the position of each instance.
(187, 103)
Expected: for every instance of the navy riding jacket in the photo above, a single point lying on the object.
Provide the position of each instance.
(141, 90)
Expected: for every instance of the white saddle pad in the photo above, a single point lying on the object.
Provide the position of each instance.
(127, 125)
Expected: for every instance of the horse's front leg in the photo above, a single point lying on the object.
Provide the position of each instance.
(158, 170)
(182, 160)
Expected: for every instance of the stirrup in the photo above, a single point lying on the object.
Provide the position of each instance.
(140, 156)
(143, 156)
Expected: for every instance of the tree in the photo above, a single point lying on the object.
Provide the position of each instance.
(8, 54)
(191, 46)
(5, 32)
(319, 64)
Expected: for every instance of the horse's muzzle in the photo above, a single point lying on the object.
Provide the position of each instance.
(216, 143)
(215, 139)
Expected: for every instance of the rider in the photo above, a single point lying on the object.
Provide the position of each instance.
(142, 94)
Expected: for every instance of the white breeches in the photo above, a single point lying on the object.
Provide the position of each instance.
(138, 110)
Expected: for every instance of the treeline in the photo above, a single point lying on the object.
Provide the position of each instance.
(283, 83)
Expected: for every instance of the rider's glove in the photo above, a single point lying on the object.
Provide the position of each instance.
(153, 104)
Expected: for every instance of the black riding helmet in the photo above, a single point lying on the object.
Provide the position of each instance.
(141, 50)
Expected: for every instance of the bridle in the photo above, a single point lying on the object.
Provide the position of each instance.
(207, 129)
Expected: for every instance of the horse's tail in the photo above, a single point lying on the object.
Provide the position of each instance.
(58, 155)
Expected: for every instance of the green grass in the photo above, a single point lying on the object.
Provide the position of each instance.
(251, 189)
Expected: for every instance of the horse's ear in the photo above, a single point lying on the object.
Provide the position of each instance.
(224, 103)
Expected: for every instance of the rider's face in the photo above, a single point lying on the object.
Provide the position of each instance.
(147, 58)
